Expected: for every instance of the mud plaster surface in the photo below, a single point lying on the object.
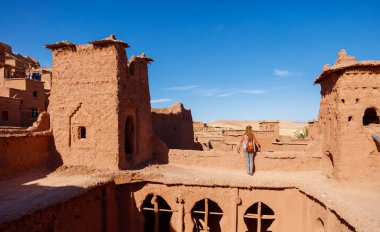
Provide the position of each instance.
(357, 203)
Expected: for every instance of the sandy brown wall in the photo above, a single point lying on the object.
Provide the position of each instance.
(135, 102)
(174, 125)
(85, 94)
(12, 106)
(345, 97)
(95, 210)
(293, 210)
(284, 161)
(20, 153)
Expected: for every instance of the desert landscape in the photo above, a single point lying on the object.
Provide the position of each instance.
(86, 144)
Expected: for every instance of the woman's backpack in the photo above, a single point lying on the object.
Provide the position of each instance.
(250, 147)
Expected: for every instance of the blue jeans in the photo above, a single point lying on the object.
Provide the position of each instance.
(249, 161)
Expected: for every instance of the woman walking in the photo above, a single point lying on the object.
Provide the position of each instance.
(250, 147)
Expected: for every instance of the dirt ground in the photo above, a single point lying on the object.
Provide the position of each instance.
(357, 203)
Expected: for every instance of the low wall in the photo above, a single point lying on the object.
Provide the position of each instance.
(276, 161)
(25, 148)
(94, 210)
(19, 153)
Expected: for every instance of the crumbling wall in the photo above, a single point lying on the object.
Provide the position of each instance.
(23, 149)
(353, 138)
(174, 125)
(349, 88)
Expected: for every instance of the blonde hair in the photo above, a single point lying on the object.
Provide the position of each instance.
(248, 131)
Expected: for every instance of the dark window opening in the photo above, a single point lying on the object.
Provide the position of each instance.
(132, 69)
(157, 214)
(370, 117)
(206, 215)
(35, 94)
(259, 217)
(82, 132)
(342, 100)
(129, 135)
(34, 112)
(4, 116)
(357, 100)
(349, 118)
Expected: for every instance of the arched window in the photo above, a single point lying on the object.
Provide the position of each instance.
(258, 217)
(206, 215)
(129, 135)
(157, 214)
(370, 117)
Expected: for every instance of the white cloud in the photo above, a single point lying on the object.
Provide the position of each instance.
(209, 92)
(225, 94)
(254, 91)
(176, 88)
(161, 100)
(281, 73)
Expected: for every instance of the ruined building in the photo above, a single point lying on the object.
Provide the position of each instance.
(349, 115)
(80, 167)
(174, 125)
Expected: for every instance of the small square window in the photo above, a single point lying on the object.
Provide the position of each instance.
(35, 94)
(4, 116)
(82, 132)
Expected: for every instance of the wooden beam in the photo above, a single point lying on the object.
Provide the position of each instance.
(211, 213)
(259, 217)
(255, 216)
(155, 204)
(206, 215)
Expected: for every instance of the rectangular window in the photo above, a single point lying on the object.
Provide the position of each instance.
(4, 116)
(82, 132)
(34, 112)
(35, 94)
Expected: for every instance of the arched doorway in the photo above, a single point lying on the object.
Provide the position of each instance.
(157, 214)
(370, 117)
(259, 217)
(206, 215)
(129, 136)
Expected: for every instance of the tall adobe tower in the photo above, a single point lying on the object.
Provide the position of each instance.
(349, 115)
(100, 105)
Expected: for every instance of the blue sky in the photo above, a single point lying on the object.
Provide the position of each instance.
(223, 59)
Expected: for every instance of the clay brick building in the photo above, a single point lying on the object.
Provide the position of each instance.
(100, 105)
(21, 97)
(349, 115)
(174, 125)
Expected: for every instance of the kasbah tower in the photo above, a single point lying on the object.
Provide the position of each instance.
(100, 105)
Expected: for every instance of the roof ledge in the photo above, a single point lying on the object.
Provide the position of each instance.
(110, 40)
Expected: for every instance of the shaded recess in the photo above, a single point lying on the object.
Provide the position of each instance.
(157, 214)
(129, 135)
(206, 215)
(370, 117)
(259, 217)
